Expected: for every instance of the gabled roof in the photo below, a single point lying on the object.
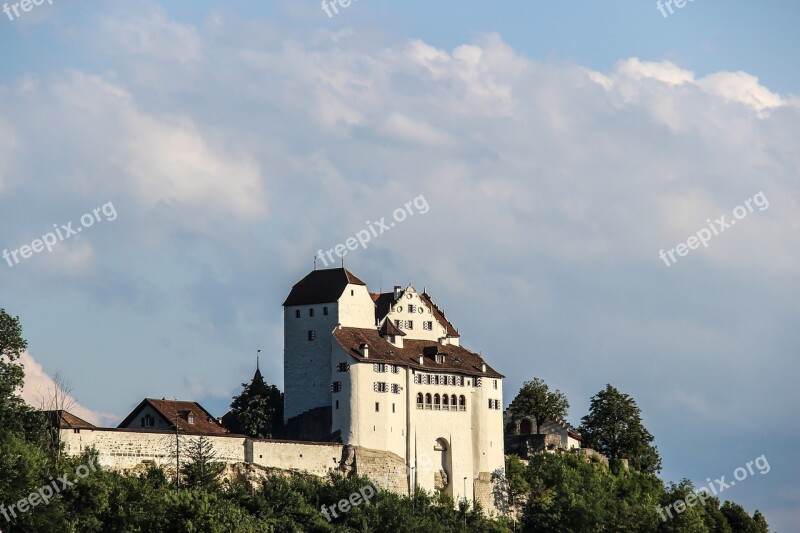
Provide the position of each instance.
(65, 420)
(172, 410)
(439, 314)
(457, 358)
(383, 303)
(321, 286)
(390, 329)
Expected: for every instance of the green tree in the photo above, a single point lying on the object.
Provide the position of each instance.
(257, 411)
(15, 414)
(200, 468)
(614, 428)
(535, 400)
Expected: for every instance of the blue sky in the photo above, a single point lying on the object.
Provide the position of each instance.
(560, 147)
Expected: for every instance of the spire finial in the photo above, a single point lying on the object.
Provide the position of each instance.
(315, 262)
(257, 360)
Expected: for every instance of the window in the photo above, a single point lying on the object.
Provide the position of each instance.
(437, 402)
(495, 383)
(395, 369)
(311, 312)
(393, 408)
(342, 367)
(409, 324)
(325, 310)
(440, 358)
(491, 404)
(428, 401)
(297, 313)
(148, 421)
(478, 382)
(416, 379)
(379, 367)
(462, 403)
(377, 408)
(419, 400)
(190, 418)
(412, 308)
(380, 386)
(336, 386)
(445, 402)
(460, 381)
(395, 388)
(427, 325)
(337, 404)
(453, 402)
(312, 335)
(451, 380)
(352, 292)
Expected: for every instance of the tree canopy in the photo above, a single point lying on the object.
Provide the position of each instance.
(614, 428)
(536, 401)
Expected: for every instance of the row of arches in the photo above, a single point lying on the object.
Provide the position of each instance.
(442, 402)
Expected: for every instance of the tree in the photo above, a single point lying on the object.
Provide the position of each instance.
(200, 468)
(257, 411)
(614, 428)
(535, 400)
(12, 375)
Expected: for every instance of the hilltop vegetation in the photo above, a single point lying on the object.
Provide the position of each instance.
(558, 493)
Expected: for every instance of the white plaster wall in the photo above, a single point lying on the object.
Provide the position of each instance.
(488, 427)
(382, 430)
(307, 364)
(356, 307)
(456, 427)
(399, 310)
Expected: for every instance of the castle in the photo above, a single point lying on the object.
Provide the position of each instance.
(375, 384)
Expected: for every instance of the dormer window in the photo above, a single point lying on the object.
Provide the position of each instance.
(440, 358)
(190, 418)
(148, 421)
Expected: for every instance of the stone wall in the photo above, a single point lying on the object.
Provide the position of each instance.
(130, 450)
(386, 469)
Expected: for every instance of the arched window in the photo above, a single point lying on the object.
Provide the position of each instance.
(462, 403)
(428, 401)
(419, 400)
(437, 402)
(453, 402)
(445, 402)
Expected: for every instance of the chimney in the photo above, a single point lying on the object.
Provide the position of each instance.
(483, 367)
(397, 289)
(363, 349)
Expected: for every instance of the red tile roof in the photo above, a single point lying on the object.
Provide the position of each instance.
(321, 286)
(439, 314)
(457, 358)
(170, 410)
(66, 420)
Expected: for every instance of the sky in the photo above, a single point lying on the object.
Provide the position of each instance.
(560, 146)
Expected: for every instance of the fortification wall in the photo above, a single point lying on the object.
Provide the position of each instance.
(124, 450)
(315, 458)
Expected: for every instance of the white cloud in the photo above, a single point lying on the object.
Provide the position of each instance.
(39, 388)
